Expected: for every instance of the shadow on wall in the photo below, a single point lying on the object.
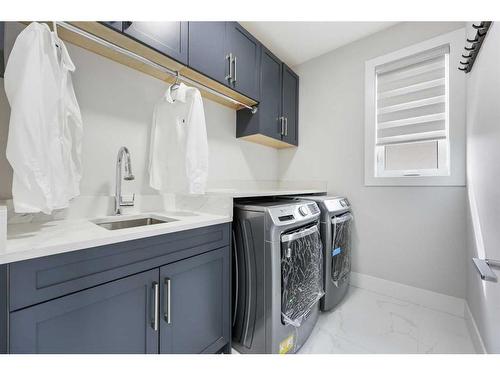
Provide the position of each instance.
(5, 168)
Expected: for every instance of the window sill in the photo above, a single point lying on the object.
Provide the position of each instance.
(415, 181)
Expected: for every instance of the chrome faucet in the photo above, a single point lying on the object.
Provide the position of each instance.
(119, 202)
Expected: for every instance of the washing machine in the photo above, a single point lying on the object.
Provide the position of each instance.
(277, 275)
(335, 227)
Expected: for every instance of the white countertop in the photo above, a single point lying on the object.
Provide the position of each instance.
(38, 239)
(250, 193)
(42, 238)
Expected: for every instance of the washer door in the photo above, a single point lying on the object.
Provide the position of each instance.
(301, 273)
(341, 247)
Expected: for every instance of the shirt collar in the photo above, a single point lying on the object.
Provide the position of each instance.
(179, 94)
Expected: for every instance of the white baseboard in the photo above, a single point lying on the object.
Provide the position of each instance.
(423, 297)
(474, 331)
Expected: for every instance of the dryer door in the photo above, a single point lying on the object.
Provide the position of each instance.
(340, 251)
(301, 273)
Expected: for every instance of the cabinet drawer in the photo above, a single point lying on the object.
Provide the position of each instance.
(37, 280)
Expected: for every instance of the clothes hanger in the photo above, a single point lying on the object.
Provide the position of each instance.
(175, 86)
(54, 31)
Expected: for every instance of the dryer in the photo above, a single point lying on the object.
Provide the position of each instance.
(277, 275)
(336, 219)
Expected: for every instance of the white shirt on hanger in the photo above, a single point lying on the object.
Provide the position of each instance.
(45, 129)
(179, 148)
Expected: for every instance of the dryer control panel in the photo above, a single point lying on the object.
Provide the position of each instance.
(337, 204)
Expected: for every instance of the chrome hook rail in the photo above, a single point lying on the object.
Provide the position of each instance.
(146, 61)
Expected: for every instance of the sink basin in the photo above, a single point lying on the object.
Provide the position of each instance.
(131, 222)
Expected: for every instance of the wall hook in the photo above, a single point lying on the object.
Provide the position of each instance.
(470, 48)
(475, 40)
(464, 63)
(467, 56)
(462, 69)
(480, 26)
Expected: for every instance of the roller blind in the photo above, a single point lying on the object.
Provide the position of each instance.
(412, 98)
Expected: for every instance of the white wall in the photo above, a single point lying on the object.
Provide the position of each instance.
(116, 104)
(483, 178)
(411, 235)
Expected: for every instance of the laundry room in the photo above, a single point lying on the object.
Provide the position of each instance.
(229, 183)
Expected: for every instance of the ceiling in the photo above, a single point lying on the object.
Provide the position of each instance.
(297, 42)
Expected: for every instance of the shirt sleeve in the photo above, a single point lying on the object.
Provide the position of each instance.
(196, 146)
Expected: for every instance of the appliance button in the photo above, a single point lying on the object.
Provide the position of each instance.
(303, 210)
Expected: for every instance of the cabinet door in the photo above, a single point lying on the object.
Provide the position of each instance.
(195, 303)
(270, 95)
(116, 317)
(245, 50)
(169, 38)
(290, 105)
(207, 52)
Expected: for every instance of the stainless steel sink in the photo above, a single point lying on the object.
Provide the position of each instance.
(131, 222)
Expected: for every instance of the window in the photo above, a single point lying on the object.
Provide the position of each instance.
(414, 123)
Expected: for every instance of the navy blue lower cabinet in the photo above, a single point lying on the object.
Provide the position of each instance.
(195, 304)
(117, 317)
(162, 294)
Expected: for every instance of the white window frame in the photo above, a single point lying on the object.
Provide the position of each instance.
(452, 149)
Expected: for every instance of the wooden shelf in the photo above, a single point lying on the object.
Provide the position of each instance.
(125, 42)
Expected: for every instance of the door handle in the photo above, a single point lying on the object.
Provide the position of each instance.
(166, 307)
(234, 69)
(156, 291)
(282, 125)
(230, 75)
(286, 126)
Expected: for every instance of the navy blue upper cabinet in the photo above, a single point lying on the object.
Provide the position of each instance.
(290, 106)
(270, 106)
(169, 38)
(276, 122)
(244, 53)
(207, 52)
(112, 318)
(227, 53)
(195, 304)
(267, 121)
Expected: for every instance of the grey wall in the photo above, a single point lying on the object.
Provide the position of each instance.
(483, 178)
(117, 104)
(411, 235)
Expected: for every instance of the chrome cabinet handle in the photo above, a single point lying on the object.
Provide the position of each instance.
(282, 125)
(234, 69)
(166, 308)
(229, 77)
(154, 322)
(286, 126)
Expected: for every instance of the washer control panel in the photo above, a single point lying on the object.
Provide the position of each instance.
(292, 213)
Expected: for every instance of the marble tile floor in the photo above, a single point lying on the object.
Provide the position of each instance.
(368, 323)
